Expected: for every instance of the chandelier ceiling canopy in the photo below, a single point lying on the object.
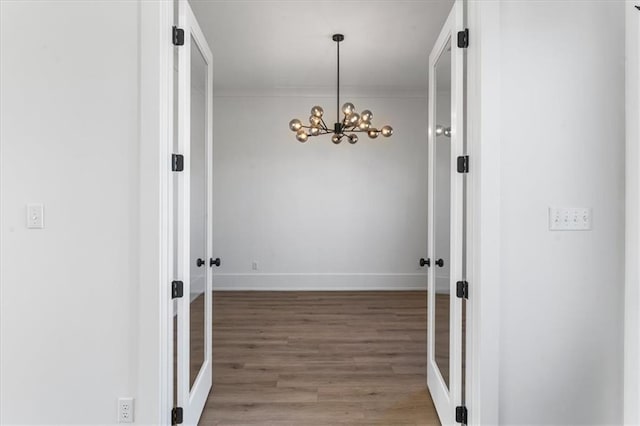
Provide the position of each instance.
(351, 123)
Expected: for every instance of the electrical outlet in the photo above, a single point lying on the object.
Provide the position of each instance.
(254, 265)
(125, 410)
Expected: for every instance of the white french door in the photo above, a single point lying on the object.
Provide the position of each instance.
(193, 221)
(445, 241)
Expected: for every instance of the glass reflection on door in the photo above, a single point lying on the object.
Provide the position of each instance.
(198, 221)
(442, 211)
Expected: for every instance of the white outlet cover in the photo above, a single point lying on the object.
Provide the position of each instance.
(125, 410)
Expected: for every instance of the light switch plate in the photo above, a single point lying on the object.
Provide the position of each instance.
(570, 218)
(35, 216)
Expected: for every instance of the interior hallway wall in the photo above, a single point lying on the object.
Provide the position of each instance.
(69, 139)
(316, 215)
(562, 144)
(632, 222)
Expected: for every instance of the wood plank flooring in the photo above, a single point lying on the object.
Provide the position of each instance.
(319, 358)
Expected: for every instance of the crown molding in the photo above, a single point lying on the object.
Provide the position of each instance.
(323, 92)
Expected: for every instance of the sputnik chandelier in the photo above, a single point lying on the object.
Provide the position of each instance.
(351, 124)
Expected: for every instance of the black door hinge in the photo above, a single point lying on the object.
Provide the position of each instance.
(463, 164)
(177, 289)
(461, 415)
(462, 290)
(463, 38)
(177, 162)
(176, 416)
(177, 36)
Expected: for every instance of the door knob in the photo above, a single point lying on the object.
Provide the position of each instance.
(440, 263)
(425, 262)
(199, 262)
(215, 261)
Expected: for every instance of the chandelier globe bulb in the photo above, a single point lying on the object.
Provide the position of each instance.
(295, 125)
(302, 136)
(348, 109)
(317, 111)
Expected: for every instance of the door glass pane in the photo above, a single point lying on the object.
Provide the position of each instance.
(442, 210)
(198, 199)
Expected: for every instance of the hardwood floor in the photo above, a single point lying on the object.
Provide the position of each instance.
(319, 358)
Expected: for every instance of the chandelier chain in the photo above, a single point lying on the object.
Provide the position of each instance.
(338, 85)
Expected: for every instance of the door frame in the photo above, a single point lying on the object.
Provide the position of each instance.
(154, 356)
(155, 330)
(632, 218)
(483, 94)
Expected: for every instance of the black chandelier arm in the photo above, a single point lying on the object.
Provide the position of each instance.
(311, 127)
(324, 125)
(359, 130)
(320, 134)
(322, 131)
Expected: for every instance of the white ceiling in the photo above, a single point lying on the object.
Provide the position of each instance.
(287, 44)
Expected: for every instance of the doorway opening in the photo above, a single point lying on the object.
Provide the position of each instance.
(325, 347)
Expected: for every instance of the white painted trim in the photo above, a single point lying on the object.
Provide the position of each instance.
(632, 225)
(483, 212)
(153, 357)
(324, 92)
(318, 282)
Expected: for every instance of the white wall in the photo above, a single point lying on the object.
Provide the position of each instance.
(632, 290)
(317, 215)
(69, 139)
(562, 144)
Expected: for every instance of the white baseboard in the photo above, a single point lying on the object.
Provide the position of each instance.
(319, 282)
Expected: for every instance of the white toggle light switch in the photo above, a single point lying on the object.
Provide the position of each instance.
(35, 216)
(569, 218)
